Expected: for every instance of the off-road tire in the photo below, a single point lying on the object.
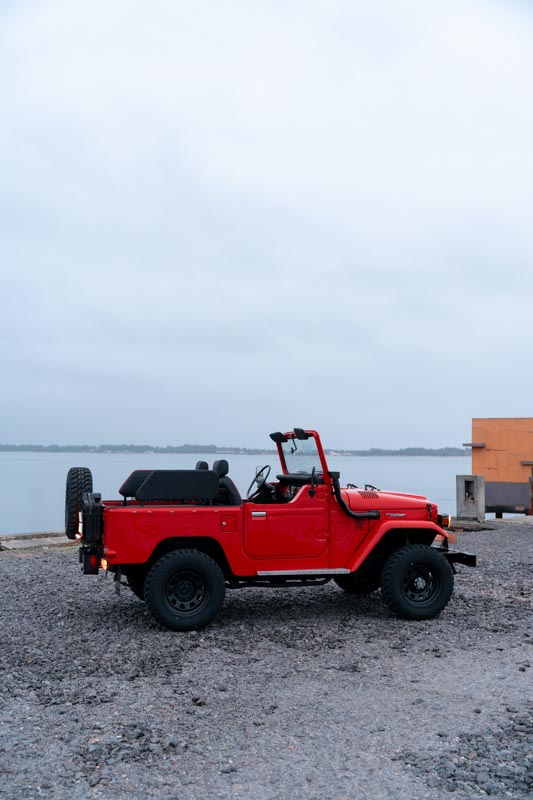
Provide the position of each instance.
(79, 481)
(416, 582)
(358, 584)
(184, 590)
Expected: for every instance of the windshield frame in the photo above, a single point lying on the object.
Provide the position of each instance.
(291, 435)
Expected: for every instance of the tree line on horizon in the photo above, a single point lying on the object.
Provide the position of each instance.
(205, 449)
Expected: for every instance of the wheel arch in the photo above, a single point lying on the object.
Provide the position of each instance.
(390, 537)
(204, 544)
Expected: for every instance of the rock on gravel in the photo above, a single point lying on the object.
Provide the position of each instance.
(306, 693)
(497, 761)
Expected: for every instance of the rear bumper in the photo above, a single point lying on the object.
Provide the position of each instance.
(458, 557)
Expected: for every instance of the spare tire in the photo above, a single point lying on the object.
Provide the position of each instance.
(79, 481)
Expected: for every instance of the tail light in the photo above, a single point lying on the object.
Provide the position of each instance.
(89, 560)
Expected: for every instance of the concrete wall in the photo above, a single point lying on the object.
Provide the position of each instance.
(470, 494)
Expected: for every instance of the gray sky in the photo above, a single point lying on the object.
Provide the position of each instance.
(219, 219)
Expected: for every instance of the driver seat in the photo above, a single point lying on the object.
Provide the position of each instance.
(228, 494)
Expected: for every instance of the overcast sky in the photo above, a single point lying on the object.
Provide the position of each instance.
(219, 219)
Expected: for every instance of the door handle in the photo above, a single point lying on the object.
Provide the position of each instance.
(259, 514)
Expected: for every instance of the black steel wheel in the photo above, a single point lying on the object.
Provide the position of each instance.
(79, 481)
(187, 592)
(184, 589)
(417, 582)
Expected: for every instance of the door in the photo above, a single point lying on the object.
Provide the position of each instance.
(295, 530)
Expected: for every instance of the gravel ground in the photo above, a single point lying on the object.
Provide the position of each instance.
(302, 693)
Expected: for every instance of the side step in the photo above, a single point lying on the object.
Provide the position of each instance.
(286, 573)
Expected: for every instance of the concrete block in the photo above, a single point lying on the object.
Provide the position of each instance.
(470, 493)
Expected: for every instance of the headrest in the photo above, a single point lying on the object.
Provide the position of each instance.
(221, 467)
(202, 465)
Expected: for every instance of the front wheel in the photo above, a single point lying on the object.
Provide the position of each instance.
(416, 582)
(184, 590)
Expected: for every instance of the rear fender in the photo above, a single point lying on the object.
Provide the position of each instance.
(206, 545)
(422, 533)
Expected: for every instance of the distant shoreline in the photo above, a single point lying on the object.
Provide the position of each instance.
(211, 449)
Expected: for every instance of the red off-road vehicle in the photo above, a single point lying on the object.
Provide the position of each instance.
(181, 537)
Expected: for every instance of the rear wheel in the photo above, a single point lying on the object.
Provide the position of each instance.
(79, 481)
(184, 590)
(416, 582)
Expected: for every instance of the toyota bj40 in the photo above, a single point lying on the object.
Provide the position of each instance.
(180, 538)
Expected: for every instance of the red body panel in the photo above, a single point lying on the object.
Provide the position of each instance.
(368, 544)
(309, 532)
(386, 501)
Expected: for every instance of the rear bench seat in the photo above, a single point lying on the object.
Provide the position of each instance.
(178, 484)
(133, 482)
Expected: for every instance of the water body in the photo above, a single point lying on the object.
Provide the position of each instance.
(33, 484)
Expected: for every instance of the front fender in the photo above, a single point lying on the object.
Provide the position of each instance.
(374, 537)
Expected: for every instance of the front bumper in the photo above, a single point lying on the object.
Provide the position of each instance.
(458, 556)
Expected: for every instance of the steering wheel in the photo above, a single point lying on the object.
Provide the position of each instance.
(260, 479)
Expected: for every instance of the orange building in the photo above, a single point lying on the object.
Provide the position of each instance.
(502, 452)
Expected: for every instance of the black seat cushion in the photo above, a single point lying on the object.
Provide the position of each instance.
(228, 495)
(179, 484)
(133, 482)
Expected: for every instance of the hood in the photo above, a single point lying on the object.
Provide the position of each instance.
(362, 500)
